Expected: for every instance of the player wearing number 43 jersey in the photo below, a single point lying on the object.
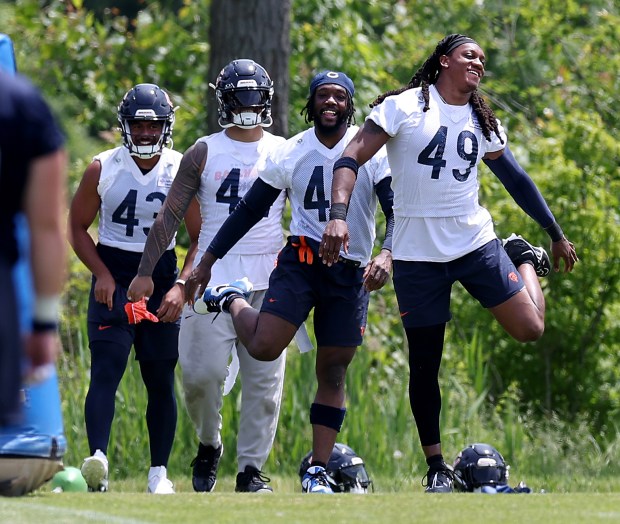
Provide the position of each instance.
(437, 129)
(126, 186)
(218, 170)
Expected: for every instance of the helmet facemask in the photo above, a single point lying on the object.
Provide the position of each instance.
(349, 479)
(244, 91)
(149, 103)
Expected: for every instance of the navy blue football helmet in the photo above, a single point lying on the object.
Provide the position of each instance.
(479, 465)
(244, 84)
(345, 470)
(146, 102)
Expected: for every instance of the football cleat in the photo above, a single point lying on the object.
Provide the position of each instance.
(204, 473)
(216, 299)
(252, 481)
(439, 479)
(158, 482)
(315, 481)
(521, 251)
(95, 471)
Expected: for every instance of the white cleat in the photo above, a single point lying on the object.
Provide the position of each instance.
(158, 482)
(95, 471)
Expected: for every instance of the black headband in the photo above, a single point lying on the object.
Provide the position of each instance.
(459, 40)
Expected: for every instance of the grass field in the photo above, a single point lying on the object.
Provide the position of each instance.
(128, 503)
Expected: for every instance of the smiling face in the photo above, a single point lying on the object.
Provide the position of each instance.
(331, 104)
(464, 67)
(145, 132)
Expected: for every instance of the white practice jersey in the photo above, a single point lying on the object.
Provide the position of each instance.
(130, 200)
(434, 158)
(304, 166)
(230, 171)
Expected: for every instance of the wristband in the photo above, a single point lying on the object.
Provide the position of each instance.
(42, 327)
(348, 162)
(180, 281)
(555, 232)
(338, 212)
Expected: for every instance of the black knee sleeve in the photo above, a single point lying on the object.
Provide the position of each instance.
(327, 416)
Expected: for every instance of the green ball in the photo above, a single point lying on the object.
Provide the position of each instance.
(69, 479)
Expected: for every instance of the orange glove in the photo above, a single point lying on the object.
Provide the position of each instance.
(136, 312)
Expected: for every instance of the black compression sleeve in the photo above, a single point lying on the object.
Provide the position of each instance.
(386, 201)
(521, 187)
(252, 207)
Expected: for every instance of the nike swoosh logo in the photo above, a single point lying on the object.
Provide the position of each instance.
(405, 313)
(272, 300)
(101, 328)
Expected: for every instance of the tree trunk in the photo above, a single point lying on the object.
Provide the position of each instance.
(256, 29)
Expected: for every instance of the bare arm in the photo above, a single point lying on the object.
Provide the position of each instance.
(84, 208)
(45, 209)
(368, 140)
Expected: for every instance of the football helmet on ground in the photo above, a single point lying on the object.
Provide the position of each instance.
(146, 102)
(479, 465)
(244, 92)
(345, 470)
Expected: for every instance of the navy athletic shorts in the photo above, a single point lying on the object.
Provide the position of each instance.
(336, 293)
(423, 288)
(11, 349)
(151, 340)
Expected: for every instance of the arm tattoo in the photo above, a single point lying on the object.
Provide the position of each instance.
(183, 189)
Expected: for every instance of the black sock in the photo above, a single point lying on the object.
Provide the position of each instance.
(228, 301)
(317, 463)
(435, 461)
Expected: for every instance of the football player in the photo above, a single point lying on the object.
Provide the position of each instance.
(301, 281)
(127, 186)
(218, 170)
(437, 129)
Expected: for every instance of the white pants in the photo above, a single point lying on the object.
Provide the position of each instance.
(205, 349)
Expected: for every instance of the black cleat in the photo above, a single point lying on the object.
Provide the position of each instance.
(204, 475)
(521, 251)
(252, 481)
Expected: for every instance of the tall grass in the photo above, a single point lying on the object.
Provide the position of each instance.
(378, 425)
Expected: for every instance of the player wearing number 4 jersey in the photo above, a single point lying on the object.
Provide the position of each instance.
(436, 130)
(301, 282)
(218, 170)
(126, 186)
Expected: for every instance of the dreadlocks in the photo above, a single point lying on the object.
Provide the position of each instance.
(429, 73)
(308, 110)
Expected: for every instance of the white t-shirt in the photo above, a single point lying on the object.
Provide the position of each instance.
(130, 200)
(434, 159)
(304, 167)
(229, 173)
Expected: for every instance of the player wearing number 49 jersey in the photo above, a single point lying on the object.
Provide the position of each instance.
(126, 186)
(436, 130)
